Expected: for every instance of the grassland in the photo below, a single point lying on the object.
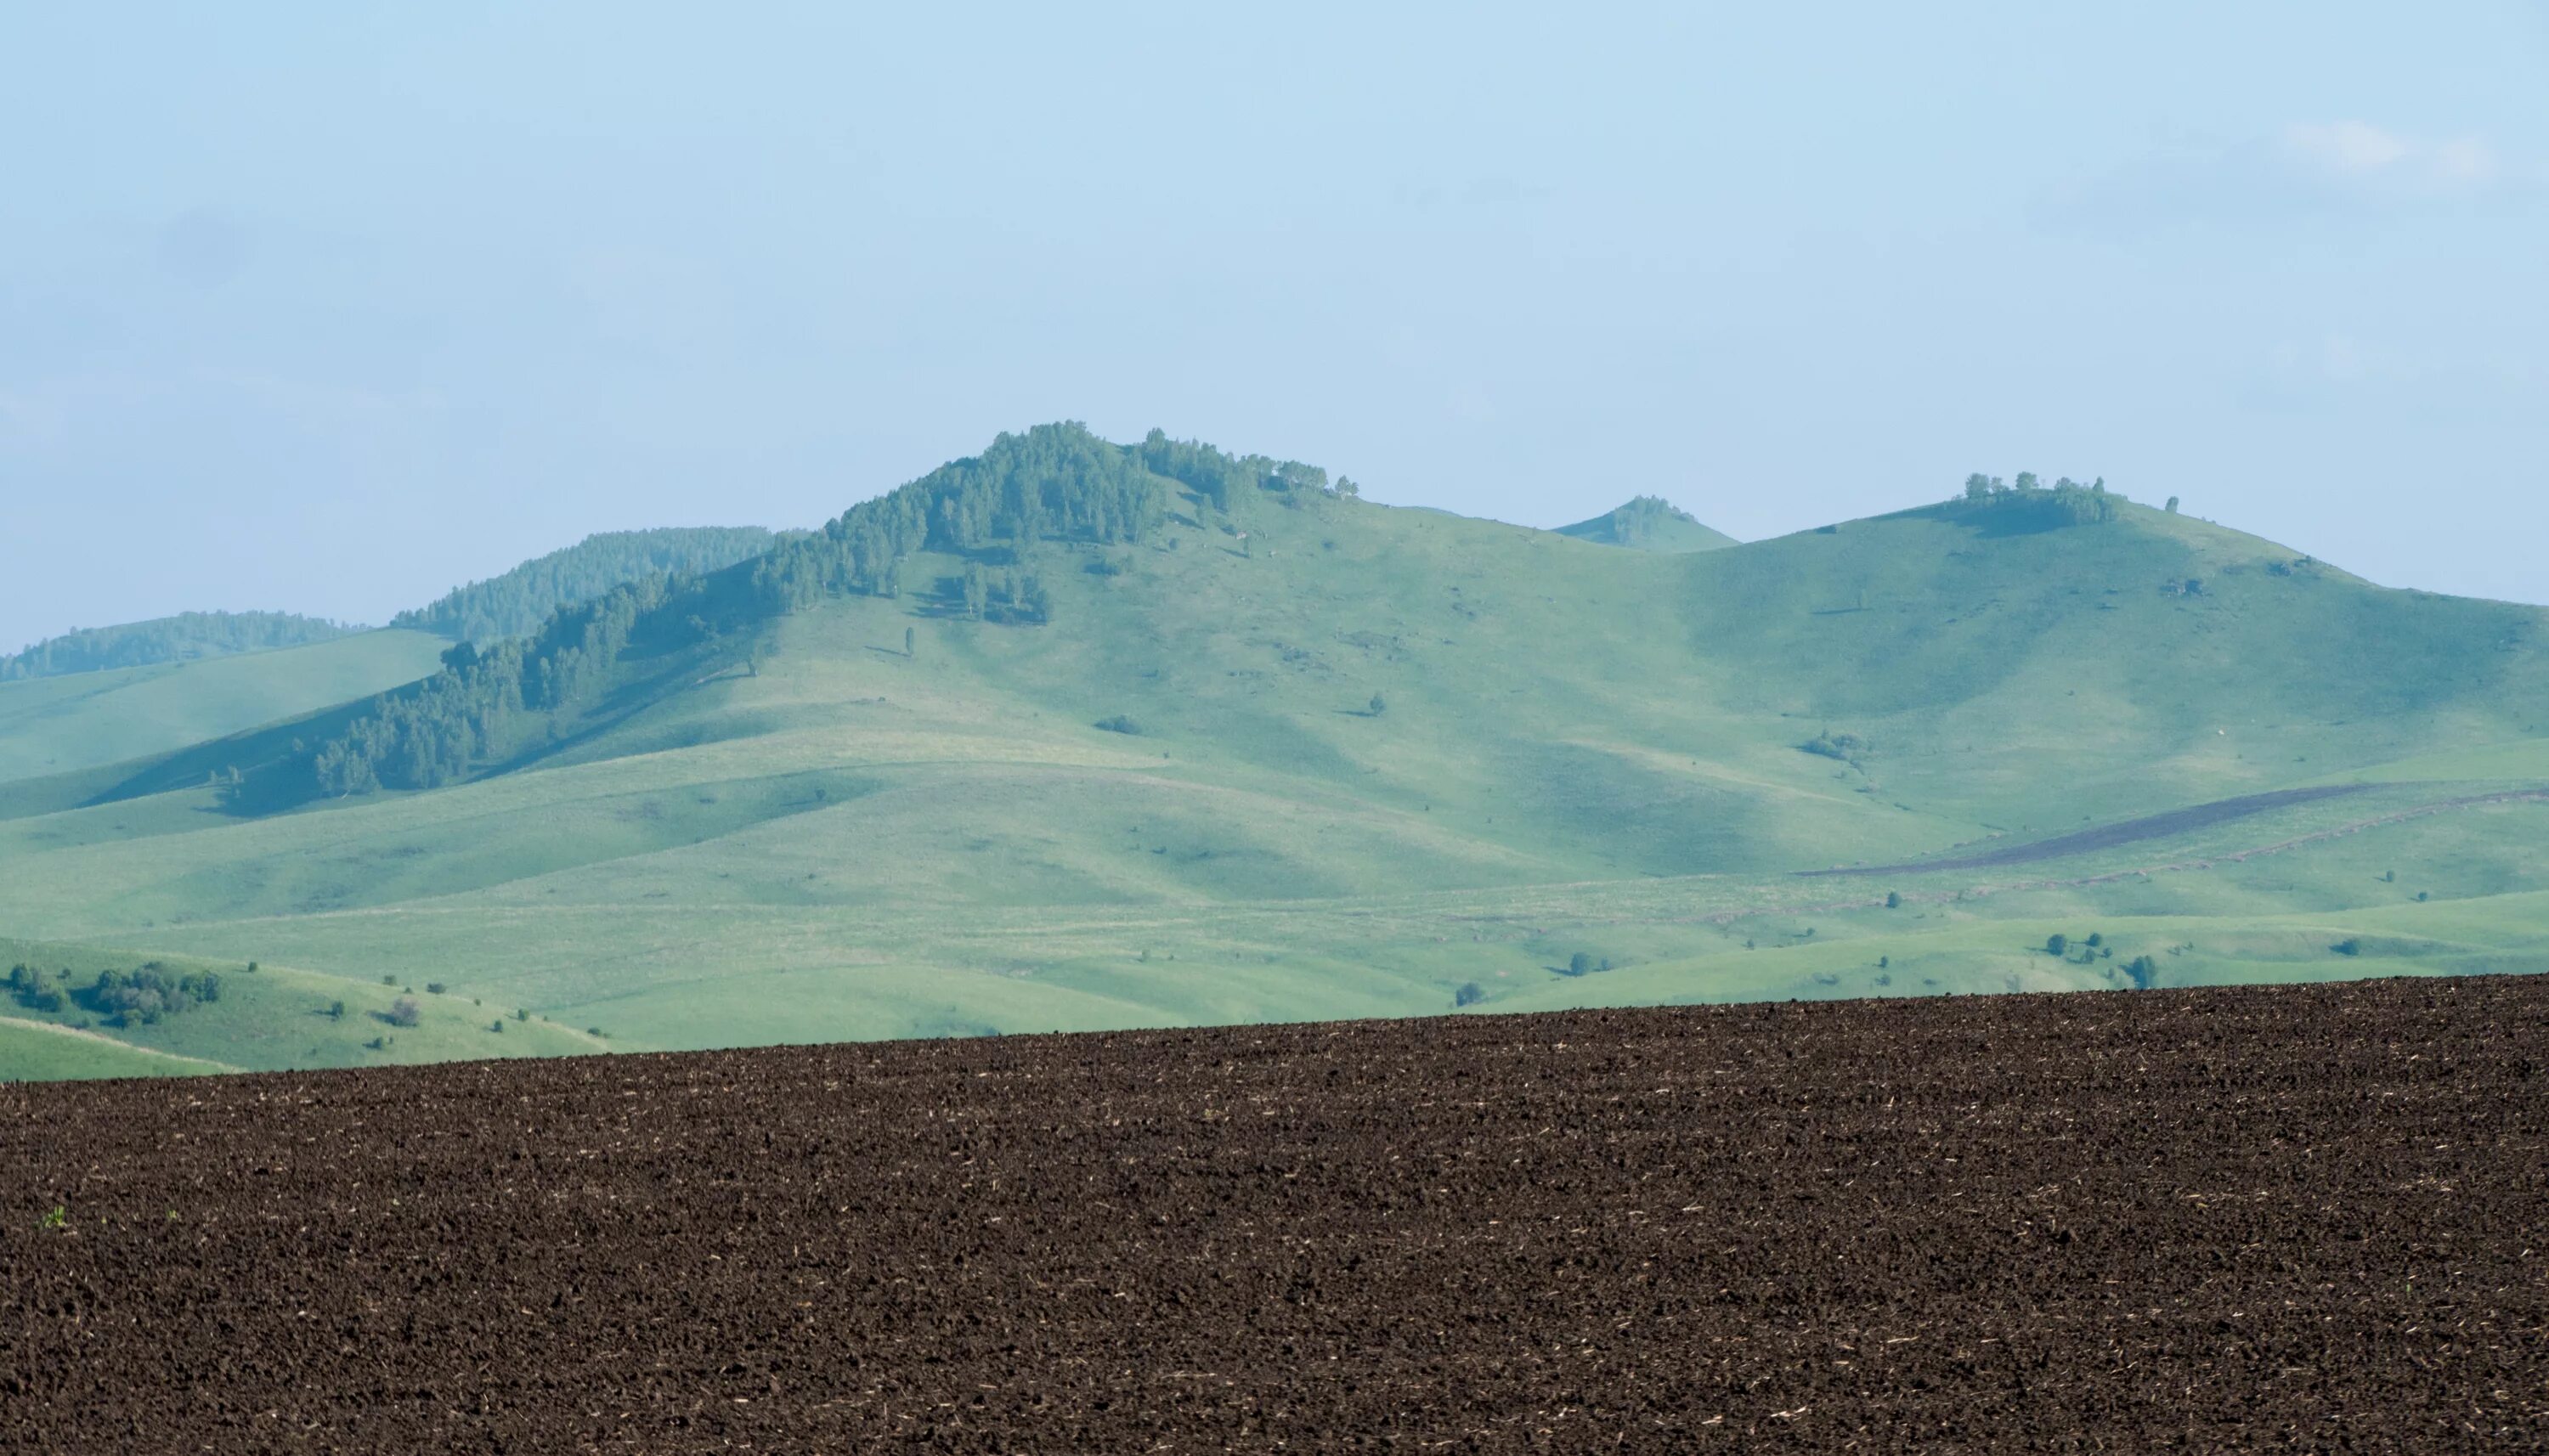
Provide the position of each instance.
(1577, 749)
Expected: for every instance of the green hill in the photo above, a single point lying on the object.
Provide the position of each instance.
(518, 602)
(185, 637)
(1650, 523)
(1078, 735)
(83, 721)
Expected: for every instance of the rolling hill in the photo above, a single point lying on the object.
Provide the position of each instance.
(1074, 735)
(83, 721)
(185, 637)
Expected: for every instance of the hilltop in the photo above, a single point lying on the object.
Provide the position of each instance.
(1650, 523)
(1073, 733)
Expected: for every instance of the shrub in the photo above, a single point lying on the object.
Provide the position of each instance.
(2057, 944)
(389, 980)
(2348, 946)
(433, 989)
(2095, 940)
(337, 1009)
(1119, 725)
(1893, 900)
(1579, 963)
(404, 1012)
(1469, 994)
(1831, 744)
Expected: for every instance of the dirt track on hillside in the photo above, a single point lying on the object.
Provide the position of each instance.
(2110, 836)
(2303, 1216)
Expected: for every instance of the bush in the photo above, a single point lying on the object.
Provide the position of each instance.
(404, 1012)
(1469, 994)
(1829, 744)
(2348, 946)
(1119, 725)
(2057, 944)
(1893, 900)
(337, 1009)
(433, 989)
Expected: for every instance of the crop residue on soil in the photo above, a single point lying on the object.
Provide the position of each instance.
(2305, 1217)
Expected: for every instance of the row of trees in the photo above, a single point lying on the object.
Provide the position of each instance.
(488, 705)
(181, 638)
(2078, 504)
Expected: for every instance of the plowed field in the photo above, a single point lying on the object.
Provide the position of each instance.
(2308, 1218)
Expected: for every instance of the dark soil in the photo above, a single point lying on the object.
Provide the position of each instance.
(2305, 1218)
(2109, 836)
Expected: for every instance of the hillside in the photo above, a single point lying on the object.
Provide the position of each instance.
(85, 720)
(1074, 735)
(185, 637)
(518, 602)
(1650, 523)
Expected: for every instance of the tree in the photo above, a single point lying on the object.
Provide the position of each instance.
(1893, 900)
(2172, 506)
(1978, 487)
(2057, 944)
(910, 639)
(1470, 993)
(404, 1012)
(1379, 705)
(2026, 480)
(2095, 938)
(337, 1009)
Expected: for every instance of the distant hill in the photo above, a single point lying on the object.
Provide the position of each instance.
(1650, 523)
(184, 637)
(80, 721)
(1075, 733)
(515, 603)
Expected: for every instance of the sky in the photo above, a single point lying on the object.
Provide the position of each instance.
(326, 308)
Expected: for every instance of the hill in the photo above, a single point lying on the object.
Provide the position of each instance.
(2224, 1220)
(1650, 523)
(83, 721)
(1080, 735)
(185, 637)
(518, 602)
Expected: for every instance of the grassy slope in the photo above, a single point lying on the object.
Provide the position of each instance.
(270, 1017)
(63, 725)
(1581, 749)
(40, 1051)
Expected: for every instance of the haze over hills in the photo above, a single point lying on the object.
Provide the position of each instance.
(1073, 733)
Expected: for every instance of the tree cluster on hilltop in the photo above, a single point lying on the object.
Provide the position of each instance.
(1645, 517)
(2066, 499)
(995, 512)
(181, 638)
(518, 602)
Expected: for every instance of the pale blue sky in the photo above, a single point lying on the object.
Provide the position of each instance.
(326, 306)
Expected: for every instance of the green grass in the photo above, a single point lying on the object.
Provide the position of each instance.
(1582, 747)
(274, 1017)
(40, 1051)
(87, 720)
